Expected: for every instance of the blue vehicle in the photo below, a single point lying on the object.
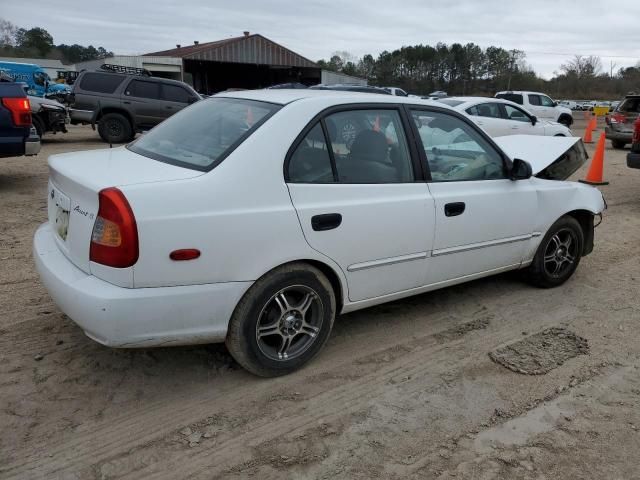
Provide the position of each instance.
(38, 81)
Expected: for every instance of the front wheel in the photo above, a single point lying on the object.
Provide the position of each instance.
(617, 144)
(565, 120)
(115, 128)
(558, 254)
(282, 321)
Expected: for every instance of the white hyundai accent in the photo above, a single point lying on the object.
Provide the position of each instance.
(500, 117)
(254, 218)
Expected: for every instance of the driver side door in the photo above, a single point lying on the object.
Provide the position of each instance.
(483, 219)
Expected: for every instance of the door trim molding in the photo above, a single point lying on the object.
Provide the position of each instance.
(477, 246)
(386, 261)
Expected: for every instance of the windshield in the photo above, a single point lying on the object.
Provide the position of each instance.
(202, 135)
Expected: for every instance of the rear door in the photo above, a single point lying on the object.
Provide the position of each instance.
(355, 182)
(484, 220)
(489, 117)
(143, 99)
(520, 122)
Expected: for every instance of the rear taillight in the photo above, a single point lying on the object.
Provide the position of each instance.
(20, 109)
(618, 118)
(114, 240)
(636, 132)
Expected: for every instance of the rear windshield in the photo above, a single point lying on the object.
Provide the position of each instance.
(513, 97)
(202, 135)
(101, 83)
(451, 103)
(630, 105)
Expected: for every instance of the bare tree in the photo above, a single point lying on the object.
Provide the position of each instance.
(581, 67)
(7, 33)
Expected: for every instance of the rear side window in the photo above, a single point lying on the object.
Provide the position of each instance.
(491, 110)
(175, 93)
(534, 100)
(630, 105)
(311, 162)
(514, 97)
(100, 83)
(202, 135)
(143, 89)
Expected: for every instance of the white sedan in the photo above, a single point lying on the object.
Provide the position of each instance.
(254, 218)
(502, 117)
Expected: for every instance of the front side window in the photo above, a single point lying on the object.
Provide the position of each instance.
(546, 101)
(369, 146)
(202, 135)
(535, 100)
(175, 93)
(142, 89)
(455, 151)
(516, 114)
(311, 161)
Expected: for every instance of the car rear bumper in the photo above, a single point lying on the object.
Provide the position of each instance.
(134, 317)
(612, 134)
(633, 160)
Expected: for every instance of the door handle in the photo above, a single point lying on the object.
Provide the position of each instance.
(326, 221)
(168, 107)
(454, 209)
(126, 102)
(515, 127)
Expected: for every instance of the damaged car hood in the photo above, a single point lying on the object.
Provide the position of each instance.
(551, 158)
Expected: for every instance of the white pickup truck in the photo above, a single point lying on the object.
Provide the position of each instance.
(540, 105)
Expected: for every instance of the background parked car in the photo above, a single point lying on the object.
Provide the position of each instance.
(501, 117)
(123, 101)
(396, 91)
(49, 116)
(619, 125)
(17, 136)
(540, 105)
(352, 88)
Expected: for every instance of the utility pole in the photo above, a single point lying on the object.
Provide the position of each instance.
(613, 65)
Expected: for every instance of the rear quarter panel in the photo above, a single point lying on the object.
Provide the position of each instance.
(239, 215)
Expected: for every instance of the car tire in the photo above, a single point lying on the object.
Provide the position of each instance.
(282, 321)
(557, 257)
(565, 120)
(617, 144)
(115, 128)
(39, 125)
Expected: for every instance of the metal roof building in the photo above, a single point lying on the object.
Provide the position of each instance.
(248, 61)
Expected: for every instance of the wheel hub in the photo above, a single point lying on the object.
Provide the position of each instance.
(291, 323)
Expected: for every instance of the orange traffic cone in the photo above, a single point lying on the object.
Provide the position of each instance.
(594, 175)
(588, 133)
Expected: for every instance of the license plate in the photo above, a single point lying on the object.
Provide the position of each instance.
(62, 222)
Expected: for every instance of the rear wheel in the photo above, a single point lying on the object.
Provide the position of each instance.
(558, 254)
(39, 125)
(282, 321)
(618, 144)
(115, 128)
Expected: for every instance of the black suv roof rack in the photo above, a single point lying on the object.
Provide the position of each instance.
(109, 67)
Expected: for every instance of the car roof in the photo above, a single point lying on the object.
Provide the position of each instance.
(285, 96)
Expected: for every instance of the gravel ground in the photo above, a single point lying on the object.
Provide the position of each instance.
(401, 391)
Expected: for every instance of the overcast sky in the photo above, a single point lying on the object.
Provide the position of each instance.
(544, 29)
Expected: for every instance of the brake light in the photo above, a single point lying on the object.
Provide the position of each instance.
(20, 109)
(114, 240)
(636, 132)
(618, 118)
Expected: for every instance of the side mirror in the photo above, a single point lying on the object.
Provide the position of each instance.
(534, 120)
(520, 170)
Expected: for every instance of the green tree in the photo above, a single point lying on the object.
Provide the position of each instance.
(36, 38)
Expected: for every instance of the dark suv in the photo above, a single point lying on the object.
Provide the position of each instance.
(619, 127)
(123, 101)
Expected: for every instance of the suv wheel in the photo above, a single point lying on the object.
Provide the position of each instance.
(617, 144)
(558, 254)
(282, 321)
(37, 122)
(115, 128)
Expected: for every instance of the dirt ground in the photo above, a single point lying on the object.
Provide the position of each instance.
(404, 390)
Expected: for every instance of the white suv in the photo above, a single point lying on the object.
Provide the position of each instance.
(541, 105)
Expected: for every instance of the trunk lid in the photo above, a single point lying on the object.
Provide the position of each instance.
(75, 179)
(551, 158)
